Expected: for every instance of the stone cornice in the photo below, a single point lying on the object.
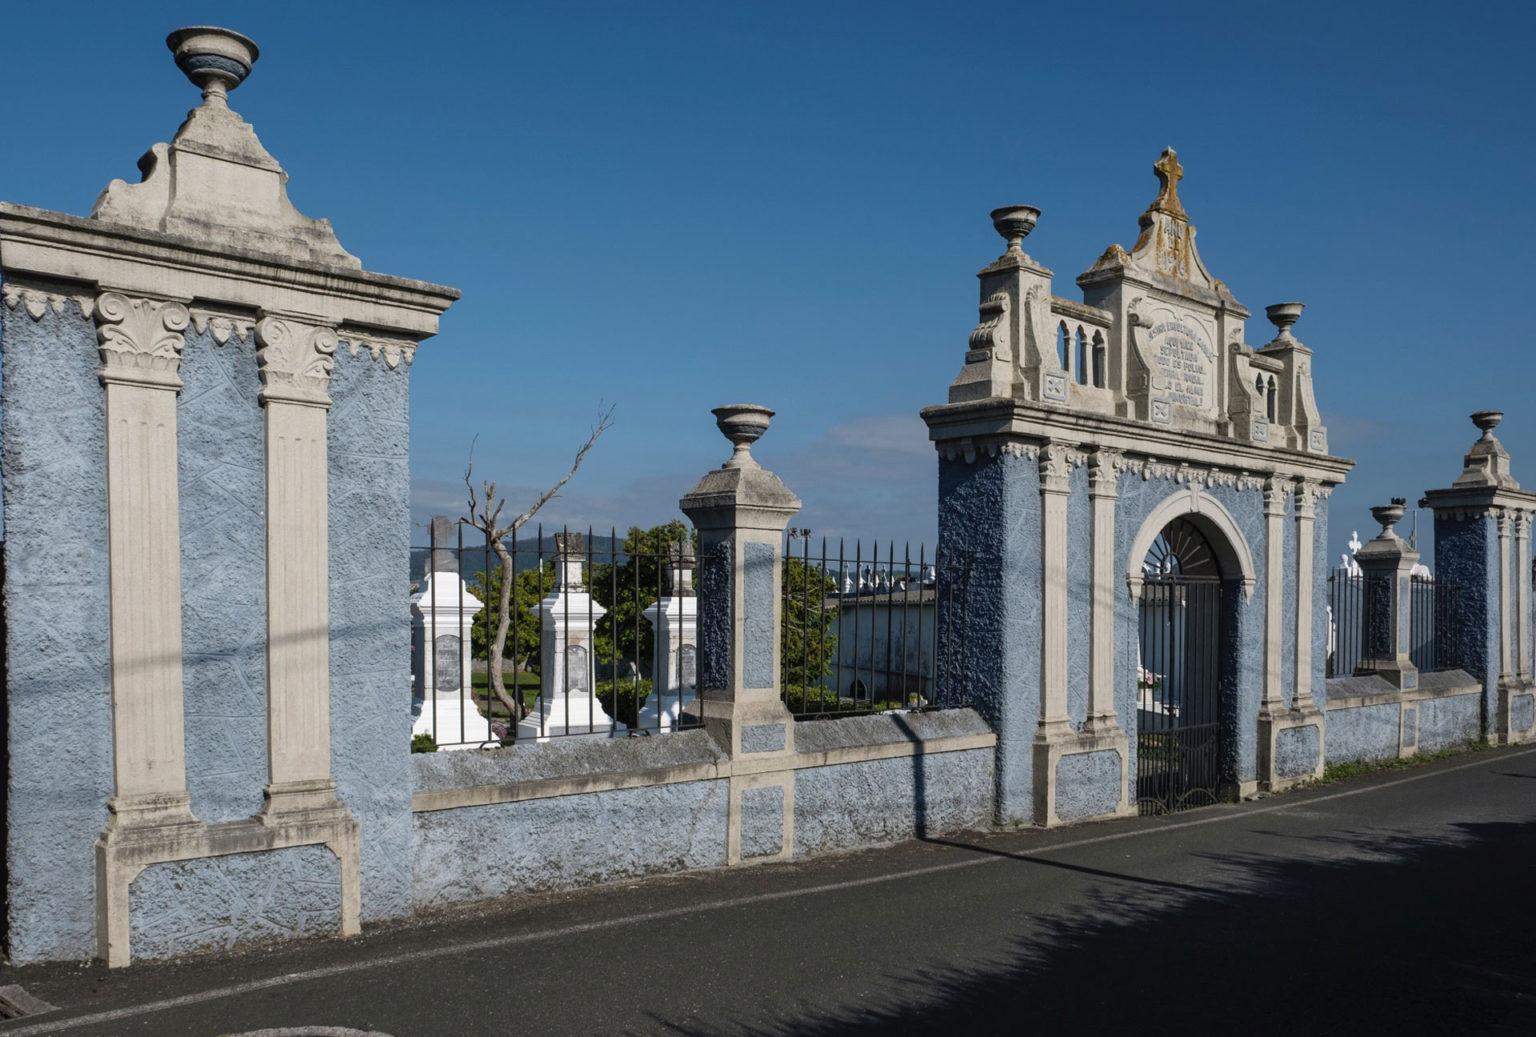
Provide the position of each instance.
(1472, 502)
(296, 358)
(141, 340)
(57, 247)
(35, 302)
(1006, 420)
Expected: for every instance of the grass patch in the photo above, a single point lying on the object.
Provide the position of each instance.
(1335, 772)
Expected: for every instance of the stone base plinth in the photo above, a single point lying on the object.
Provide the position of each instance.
(454, 723)
(1515, 716)
(661, 710)
(1290, 747)
(577, 715)
(1081, 775)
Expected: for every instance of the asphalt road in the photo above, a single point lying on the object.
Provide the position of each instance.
(1401, 903)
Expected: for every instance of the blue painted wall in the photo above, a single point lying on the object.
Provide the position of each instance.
(369, 438)
(989, 535)
(60, 724)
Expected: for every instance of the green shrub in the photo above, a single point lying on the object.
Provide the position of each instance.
(423, 743)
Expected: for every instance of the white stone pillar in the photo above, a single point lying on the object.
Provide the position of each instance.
(1523, 596)
(295, 358)
(1273, 698)
(568, 703)
(674, 620)
(141, 342)
(1505, 600)
(1055, 485)
(1103, 490)
(1306, 514)
(443, 616)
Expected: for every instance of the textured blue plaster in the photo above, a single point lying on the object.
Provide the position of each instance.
(368, 446)
(714, 610)
(58, 680)
(1362, 733)
(217, 902)
(1079, 595)
(1410, 727)
(1522, 712)
(1288, 568)
(1453, 720)
(759, 610)
(474, 853)
(763, 738)
(989, 537)
(1296, 751)
(762, 821)
(1087, 784)
(221, 464)
(884, 801)
(1466, 557)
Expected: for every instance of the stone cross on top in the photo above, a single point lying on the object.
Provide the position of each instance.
(1169, 173)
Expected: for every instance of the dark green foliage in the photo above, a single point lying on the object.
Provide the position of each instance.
(626, 589)
(523, 637)
(423, 743)
(809, 641)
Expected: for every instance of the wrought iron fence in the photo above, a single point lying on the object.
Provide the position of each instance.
(600, 639)
(1432, 622)
(860, 630)
(1178, 694)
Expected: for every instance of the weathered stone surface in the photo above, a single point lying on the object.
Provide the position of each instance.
(561, 758)
(217, 902)
(759, 611)
(1296, 751)
(887, 728)
(481, 852)
(1079, 595)
(1522, 712)
(762, 821)
(222, 482)
(1362, 733)
(1453, 720)
(763, 738)
(368, 434)
(60, 710)
(1087, 784)
(883, 801)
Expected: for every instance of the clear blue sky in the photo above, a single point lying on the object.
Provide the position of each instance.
(673, 206)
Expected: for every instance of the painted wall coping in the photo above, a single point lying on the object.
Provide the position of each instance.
(1357, 692)
(448, 781)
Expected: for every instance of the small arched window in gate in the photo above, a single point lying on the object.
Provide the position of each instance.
(1258, 387)
(1100, 360)
(1063, 349)
(1270, 405)
(1082, 357)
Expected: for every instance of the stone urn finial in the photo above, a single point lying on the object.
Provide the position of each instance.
(216, 60)
(743, 424)
(1014, 222)
(1389, 515)
(1283, 314)
(1487, 421)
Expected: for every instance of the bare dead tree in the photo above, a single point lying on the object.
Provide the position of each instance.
(485, 514)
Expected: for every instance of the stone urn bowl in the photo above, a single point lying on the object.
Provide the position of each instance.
(743, 424)
(1487, 421)
(1014, 222)
(1388, 515)
(1283, 314)
(216, 60)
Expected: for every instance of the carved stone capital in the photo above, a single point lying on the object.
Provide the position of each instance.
(1055, 468)
(1104, 467)
(295, 360)
(1275, 490)
(141, 340)
(1306, 499)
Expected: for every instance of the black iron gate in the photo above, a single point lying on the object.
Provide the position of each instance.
(1178, 690)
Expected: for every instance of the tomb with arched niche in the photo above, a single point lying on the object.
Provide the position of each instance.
(1137, 498)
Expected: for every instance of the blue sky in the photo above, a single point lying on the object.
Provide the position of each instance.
(672, 206)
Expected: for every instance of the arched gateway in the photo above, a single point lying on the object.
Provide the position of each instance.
(1144, 618)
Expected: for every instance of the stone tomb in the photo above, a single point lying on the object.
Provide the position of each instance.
(442, 617)
(674, 620)
(1089, 446)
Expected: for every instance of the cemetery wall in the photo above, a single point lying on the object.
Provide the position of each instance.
(583, 811)
(60, 701)
(1370, 720)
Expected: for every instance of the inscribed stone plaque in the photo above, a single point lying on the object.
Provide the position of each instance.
(577, 678)
(445, 668)
(690, 666)
(1180, 345)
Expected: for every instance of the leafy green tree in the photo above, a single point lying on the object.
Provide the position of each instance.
(530, 585)
(627, 588)
(809, 642)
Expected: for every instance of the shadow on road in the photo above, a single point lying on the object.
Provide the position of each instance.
(1358, 934)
